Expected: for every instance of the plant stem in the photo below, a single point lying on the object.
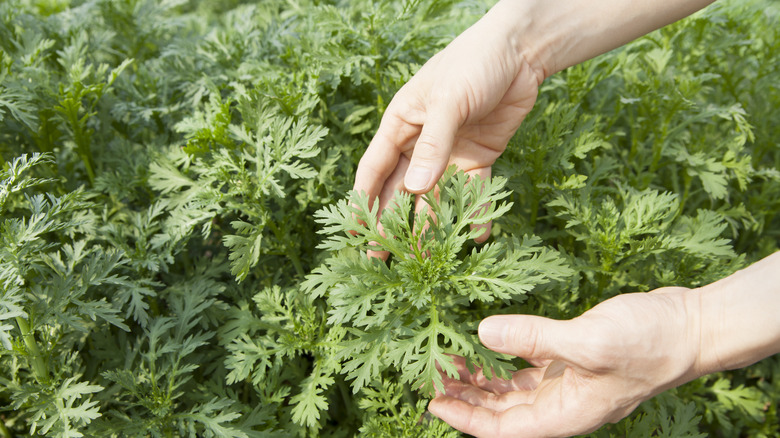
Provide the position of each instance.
(534, 208)
(290, 253)
(410, 398)
(687, 179)
(40, 370)
(88, 164)
(344, 391)
(296, 261)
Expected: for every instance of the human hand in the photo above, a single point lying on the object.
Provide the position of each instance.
(461, 108)
(590, 370)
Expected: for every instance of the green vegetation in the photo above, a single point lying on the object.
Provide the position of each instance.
(175, 216)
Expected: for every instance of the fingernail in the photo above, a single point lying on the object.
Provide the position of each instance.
(491, 332)
(417, 178)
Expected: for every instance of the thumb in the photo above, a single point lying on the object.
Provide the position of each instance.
(527, 336)
(432, 150)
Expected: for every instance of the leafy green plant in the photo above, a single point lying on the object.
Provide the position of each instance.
(180, 255)
(409, 315)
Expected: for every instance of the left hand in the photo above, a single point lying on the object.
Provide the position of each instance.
(591, 370)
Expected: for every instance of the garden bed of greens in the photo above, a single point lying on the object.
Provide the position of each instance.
(175, 254)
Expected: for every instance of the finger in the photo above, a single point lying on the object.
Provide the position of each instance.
(432, 151)
(539, 363)
(519, 421)
(484, 174)
(527, 379)
(421, 207)
(424, 217)
(382, 255)
(464, 416)
(379, 160)
(524, 380)
(479, 397)
(446, 378)
(378, 254)
(381, 157)
(393, 184)
(543, 418)
(554, 370)
(529, 337)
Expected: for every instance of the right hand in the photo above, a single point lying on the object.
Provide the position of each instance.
(461, 108)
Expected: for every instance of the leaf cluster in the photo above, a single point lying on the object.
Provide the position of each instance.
(411, 314)
(168, 169)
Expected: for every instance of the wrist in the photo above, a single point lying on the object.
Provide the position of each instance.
(551, 36)
(688, 329)
(738, 319)
(514, 22)
(543, 36)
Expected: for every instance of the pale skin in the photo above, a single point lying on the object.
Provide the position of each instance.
(462, 108)
(598, 367)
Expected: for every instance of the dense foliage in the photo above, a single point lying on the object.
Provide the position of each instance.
(175, 248)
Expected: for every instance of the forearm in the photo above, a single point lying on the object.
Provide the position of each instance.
(554, 35)
(739, 317)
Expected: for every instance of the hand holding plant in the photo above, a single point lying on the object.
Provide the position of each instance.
(593, 369)
(599, 367)
(461, 108)
(467, 101)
